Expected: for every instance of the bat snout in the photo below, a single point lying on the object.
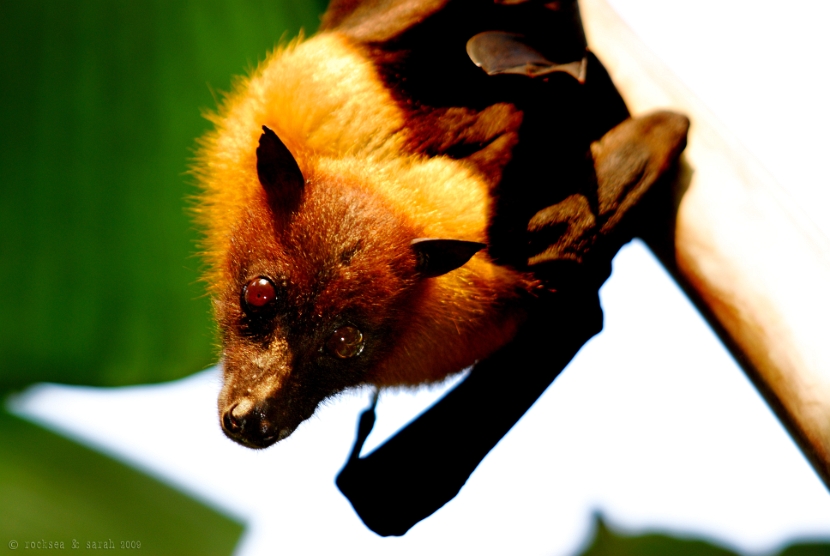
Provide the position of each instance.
(248, 424)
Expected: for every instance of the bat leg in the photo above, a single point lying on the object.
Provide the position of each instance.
(631, 158)
(573, 241)
(562, 231)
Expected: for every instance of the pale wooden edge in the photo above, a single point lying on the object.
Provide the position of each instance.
(753, 263)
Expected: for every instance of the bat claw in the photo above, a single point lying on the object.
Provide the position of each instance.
(500, 52)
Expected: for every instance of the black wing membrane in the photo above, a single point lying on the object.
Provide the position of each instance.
(425, 464)
(510, 87)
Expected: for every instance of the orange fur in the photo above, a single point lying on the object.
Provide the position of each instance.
(329, 107)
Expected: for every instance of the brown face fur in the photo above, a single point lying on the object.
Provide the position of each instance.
(341, 259)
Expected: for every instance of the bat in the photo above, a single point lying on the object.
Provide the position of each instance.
(422, 186)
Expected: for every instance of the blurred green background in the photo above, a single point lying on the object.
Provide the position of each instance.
(100, 107)
(101, 103)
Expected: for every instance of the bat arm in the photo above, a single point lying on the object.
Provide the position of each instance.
(755, 266)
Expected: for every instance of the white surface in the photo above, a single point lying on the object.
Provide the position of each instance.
(761, 68)
(652, 424)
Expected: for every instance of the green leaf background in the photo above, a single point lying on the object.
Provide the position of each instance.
(100, 105)
(101, 102)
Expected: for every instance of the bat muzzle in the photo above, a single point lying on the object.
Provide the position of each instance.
(248, 424)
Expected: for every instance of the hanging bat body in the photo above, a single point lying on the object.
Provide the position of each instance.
(332, 239)
(392, 200)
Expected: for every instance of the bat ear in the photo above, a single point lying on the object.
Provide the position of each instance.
(278, 173)
(440, 256)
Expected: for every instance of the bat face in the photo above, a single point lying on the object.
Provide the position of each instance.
(314, 300)
(326, 278)
(336, 256)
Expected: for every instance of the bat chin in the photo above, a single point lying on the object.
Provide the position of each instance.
(256, 439)
(259, 442)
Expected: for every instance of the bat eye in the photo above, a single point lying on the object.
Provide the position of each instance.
(345, 342)
(258, 293)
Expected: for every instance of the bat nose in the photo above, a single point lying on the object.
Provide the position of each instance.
(247, 423)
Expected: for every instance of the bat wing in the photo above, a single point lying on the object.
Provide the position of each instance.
(427, 462)
(509, 87)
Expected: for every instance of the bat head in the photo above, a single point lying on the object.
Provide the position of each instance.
(324, 278)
